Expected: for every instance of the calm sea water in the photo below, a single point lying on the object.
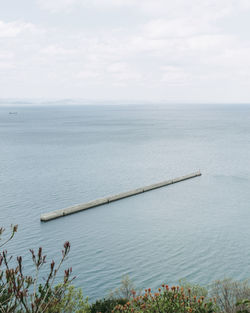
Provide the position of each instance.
(54, 157)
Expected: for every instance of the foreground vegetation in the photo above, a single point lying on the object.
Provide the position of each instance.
(29, 294)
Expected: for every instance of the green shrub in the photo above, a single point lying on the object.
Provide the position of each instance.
(72, 301)
(125, 291)
(243, 306)
(170, 300)
(106, 305)
(21, 293)
(228, 292)
(193, 289)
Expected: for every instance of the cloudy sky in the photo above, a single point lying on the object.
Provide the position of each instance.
(154, 50)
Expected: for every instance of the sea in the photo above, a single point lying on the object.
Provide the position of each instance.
(54, 156)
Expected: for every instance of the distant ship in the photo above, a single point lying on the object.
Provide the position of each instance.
(12, 112)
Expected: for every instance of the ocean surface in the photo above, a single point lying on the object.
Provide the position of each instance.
(52, 157)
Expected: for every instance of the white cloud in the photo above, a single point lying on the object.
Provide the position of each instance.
(89, 74)
(6, 65)
(6, 60)
(105, 71)
(13, 29)
(168, 43)
(56, 50)
(6, 55)
(123, 73)
(160, 8)
(179, 27)
(173, 75)
(56, 5)
(65, 5)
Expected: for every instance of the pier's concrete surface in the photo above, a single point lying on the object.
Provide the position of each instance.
(85, 206)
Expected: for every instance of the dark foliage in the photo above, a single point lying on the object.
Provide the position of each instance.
(106, 305)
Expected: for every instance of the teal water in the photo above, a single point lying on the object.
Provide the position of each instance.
(54, 157)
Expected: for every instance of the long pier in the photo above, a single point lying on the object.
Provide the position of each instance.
(85, 206)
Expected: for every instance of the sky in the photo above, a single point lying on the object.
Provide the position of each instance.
(133, 50)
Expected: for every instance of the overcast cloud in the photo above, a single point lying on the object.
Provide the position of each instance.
(154, 50)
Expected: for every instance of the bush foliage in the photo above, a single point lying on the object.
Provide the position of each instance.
(170, 300)
(230, 293)
(26, 294)
(106, 305)
(21, 293)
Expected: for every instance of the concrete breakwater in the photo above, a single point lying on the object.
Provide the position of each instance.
(85, 206)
